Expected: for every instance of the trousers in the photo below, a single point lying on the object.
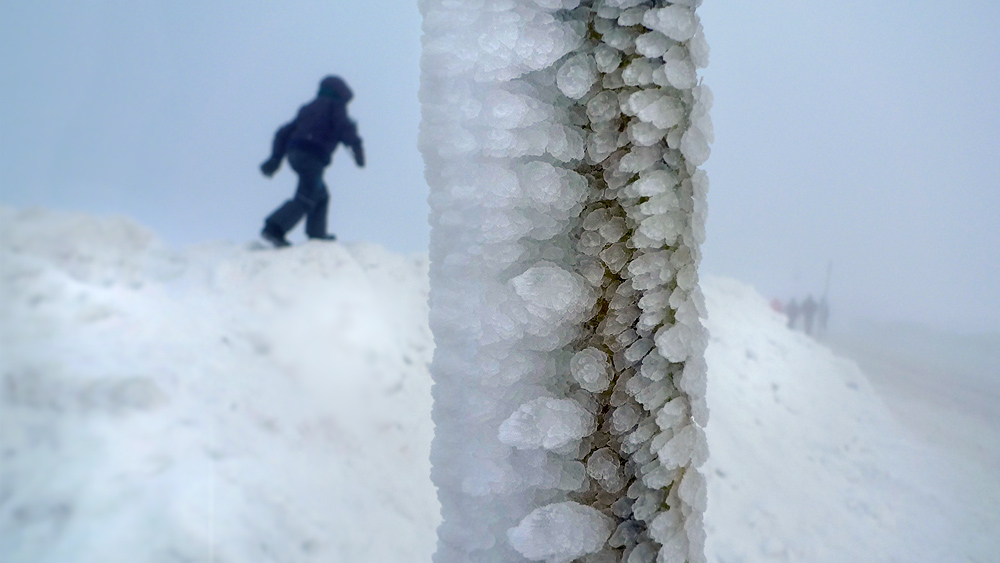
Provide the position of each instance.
(311, 198)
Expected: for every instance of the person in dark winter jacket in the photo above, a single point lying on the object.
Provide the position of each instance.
(308, 143)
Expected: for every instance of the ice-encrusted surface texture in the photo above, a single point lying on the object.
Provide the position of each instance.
(561, 140)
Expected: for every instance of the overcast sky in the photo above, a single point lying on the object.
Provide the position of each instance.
(865, 135)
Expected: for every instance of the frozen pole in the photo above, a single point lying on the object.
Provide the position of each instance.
(562, 141)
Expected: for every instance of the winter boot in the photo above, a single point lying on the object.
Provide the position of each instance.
(329, 237)
(272, 235)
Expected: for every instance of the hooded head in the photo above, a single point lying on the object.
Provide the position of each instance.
(335, 87)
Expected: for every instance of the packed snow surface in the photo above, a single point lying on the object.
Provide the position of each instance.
(808, 464)
(231, 403)
(226, 403)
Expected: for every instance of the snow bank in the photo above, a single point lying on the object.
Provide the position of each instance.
(807, 464)
(254, 405)
(219, 404)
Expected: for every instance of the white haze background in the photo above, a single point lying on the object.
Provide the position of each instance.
(858, 133)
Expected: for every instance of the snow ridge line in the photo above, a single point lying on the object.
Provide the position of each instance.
(562, 140)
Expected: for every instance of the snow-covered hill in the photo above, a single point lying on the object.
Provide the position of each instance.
(233, 403)
(807, 464)
(226, 404)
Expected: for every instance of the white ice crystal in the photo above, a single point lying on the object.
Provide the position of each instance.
(652, 183)
(560, 532)
(656, 107)
(624, 4)
(693, 490)
(676, 342)
(551, 190)
(644, 134)
(547, 423)
(552, 294)
(699, 49)
(652, 44)
(577, 75)
(640, 72)
(661, 227)
(605, 468)
(681, 73)
(607, 58)
(694, 147)
(639, 159)
(624, 418)
(557, 4)
(603, 107)
(507, 110)
(676, 22)
(687, 447)
(672, 414)
(600, 145)
(590, 369)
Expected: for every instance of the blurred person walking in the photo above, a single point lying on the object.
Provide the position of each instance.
(823, 311)
(776, 305)
(308, 142)
(822, 315)
(809, 313)
(792, 310)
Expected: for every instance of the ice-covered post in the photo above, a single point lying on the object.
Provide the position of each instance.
(561, 140)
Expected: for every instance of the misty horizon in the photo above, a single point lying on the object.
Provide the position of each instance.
(858, 136)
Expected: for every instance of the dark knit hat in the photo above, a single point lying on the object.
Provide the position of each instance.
(335, 87)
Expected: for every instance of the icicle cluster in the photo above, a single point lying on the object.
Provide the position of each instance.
(562, 140)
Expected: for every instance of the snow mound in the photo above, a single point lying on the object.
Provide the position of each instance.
(224, 403)
(807, 464)
(235, 403)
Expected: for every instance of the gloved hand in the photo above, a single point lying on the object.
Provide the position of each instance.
(270, 166)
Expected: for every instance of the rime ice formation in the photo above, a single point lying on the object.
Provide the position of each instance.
(562, 140)
(560, 532)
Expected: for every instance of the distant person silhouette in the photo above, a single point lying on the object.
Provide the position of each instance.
(776, 305)
(308, 142)
(822, 314)
(809, 313)
(792, 310)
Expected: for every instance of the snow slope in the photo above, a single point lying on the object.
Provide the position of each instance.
(225, 404)
(807, 464)
(945, 388)
(232, 403)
